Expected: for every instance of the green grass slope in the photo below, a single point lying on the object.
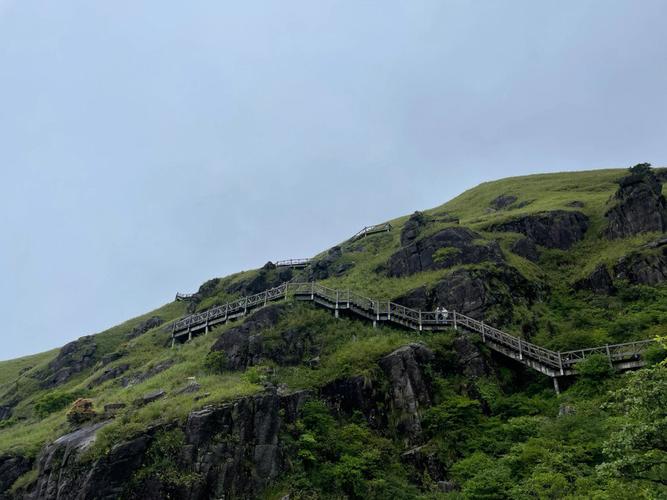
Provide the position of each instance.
(513, 433)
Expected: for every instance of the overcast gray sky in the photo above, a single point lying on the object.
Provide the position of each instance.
(146, 146)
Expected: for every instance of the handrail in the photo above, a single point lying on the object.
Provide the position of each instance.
(528, 353)
(293, 263)
(366, 230)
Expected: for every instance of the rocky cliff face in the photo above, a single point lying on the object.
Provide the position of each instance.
(73, 358)
(556, 229)
(448, 247)
(643, 268)
(236, 450)
(639, 205)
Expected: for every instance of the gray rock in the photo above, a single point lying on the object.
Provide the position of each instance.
(5, 412)
(566, 409)
(72, 359)
(109, 374)
(469, 358)
(448, 486)
(11, 468)
(144, 326)
(639, 206)
(412, 228)
(527, 249)
(556, 229)
(151, 372)
(502, 202)
(329, 265)
(189, 388)
(599, 281)
(643, 268)
(450, 247)
(410, 390)
(243, 344)
(424, 460)
(110, 409)
(576, 204)
(150, 397)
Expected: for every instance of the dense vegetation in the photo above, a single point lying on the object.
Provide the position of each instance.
(498, 433)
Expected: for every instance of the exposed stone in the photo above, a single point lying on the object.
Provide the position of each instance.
(599, 281)
(657, 243)
(576, 204)
(243, 344)
(11, 468)
(486, 293)
(72, 359)
(448, 247)
(643, 268)
(264, 279)
(109, 374)
(111, 357)
(269, 266)
(469, 358)
(151, 372)
(412, 228)
(527, 249)
(189, 388)
(329, 265)
(556, 229)
(639, 205)
(410, 390)
(502, 202)
(150, 397)
(5, 412)
(144, 326)
(355, 394)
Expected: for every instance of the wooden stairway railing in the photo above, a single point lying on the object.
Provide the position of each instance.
(552, 363)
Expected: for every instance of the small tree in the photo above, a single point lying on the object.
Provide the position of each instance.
(81, 411)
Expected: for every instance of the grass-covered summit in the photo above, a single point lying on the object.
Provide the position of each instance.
(292, 401)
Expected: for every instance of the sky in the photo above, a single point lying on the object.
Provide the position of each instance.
(146, 147)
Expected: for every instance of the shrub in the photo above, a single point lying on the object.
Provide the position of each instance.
(54, 401)
(81, 411)
(216, 361)
(594, 368)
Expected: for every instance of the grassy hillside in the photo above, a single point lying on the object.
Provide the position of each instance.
(504, 423)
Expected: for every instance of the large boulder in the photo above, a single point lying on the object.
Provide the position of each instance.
(109, 373)
(140, 377)
(12, 467)
(413, 227)
(144, 326)
(243, 344)
(502, 202)
(483, 293)
(348, 395)
(639, 205)
(556, 229)
(643, 268)
(526, 248)
(329, 265)
(599, 281)
(410, 388)
(72, 359)
(449, 247)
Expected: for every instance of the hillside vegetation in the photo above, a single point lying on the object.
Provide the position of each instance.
(292, 401)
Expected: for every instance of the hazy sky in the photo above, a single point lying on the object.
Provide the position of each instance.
(146, 146)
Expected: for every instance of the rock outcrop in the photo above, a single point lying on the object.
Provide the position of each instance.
(410, 388)
(137, 378)
(243, 344)
(232, 451)
(484, 293)
(109, 373)
(11, 468)
(72, 359)
(639, 205)
(329, 265)
(502, 202)
(599, 281)
(448, 247)
(526, 248)
(643, 268)
(144, 326)
(412, 228)
(556, 229)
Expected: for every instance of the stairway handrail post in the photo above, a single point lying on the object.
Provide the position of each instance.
(420, 320)
(520, 351)
(560, 363)
(483, 334)
(455, 325)
(611, 363)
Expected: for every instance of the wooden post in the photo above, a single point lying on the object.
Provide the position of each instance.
(312, 290)
(206, 328)
(556, 388)
(173, 341)
(388, 310)
(560, 363)
(611, 363)
(189, 334)
(420, 320)
(483, 335)
(520, 352)
(455, 325)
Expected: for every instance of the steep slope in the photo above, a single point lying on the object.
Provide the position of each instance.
(287, 400)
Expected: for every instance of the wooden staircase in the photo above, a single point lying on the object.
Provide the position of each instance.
(551, 363)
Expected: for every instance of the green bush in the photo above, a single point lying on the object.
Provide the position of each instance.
(595, 368)
(216, 361)
(55, 401)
